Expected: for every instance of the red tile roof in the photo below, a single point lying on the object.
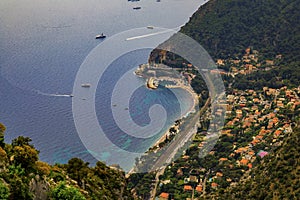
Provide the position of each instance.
(164, 195)
(187, 187)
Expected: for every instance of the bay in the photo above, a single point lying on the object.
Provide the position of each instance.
(42, 46)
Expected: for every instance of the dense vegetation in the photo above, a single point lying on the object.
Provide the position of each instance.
(24, 177)
(227, 27)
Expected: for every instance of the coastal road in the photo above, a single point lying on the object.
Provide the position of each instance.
(183, 136)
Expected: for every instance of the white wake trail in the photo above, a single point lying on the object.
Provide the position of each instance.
(52, 95)
(152, 34)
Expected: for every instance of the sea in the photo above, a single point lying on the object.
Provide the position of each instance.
(48, 49)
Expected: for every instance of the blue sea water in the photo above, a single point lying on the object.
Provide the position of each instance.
(42, 46)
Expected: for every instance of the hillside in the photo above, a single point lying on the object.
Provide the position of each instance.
(256, 44)
(227, 27)
(277, 177)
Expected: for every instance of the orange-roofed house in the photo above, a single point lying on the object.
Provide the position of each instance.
(199, 188)
(254, 142)
(164, 196)
(250, 166)
(277, 133)
(275, 120)
(214, 185)
(223, 159)
(243, 162)
(187, 188)
(219, 174)
(259, 137)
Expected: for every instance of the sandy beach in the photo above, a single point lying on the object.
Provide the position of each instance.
(190, 110)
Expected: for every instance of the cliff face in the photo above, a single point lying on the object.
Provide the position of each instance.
(40, 188)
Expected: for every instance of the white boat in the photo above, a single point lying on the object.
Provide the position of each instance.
(86, 85)
(101, 36)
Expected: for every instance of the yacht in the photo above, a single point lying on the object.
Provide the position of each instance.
(101, 36)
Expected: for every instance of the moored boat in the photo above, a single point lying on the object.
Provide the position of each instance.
(86, 85)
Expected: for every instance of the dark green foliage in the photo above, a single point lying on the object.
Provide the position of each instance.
(4, 191)
(19, 188)
(64, 192)
(75, 180)
(77, 169)
(141, 183)
(228, 27)
(24, 153)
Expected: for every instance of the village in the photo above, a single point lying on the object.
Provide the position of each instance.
(256, 123)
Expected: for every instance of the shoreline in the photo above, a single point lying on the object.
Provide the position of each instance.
(163, 136)
(189, 111)
(192, 109)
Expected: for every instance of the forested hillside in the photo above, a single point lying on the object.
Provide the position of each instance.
(227, 27)
(24, 177)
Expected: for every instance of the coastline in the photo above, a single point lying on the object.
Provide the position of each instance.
(178, 83)
(185, 115)
(163, 136)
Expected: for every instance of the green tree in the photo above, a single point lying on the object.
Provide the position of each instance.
(64, 192)
(21, 141)
(26, 156)
(77, 170)
(4, 191)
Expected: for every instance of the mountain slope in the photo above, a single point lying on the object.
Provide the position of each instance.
(227, 27)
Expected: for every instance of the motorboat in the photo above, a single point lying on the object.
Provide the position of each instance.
(101, 36)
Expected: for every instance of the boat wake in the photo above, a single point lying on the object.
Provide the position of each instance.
(153, 34)
(147, 35)
(53, 95)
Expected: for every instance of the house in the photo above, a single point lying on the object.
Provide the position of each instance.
(199, 188)
(262, 153)
(243, 162)
(277, 133)
(187, 188)
(193, 179)
(269, 62)
(214, 185)
(179, 172)
(219, 174)
(239, 113)
(164, 196)
(250, 166)
(223, 159)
